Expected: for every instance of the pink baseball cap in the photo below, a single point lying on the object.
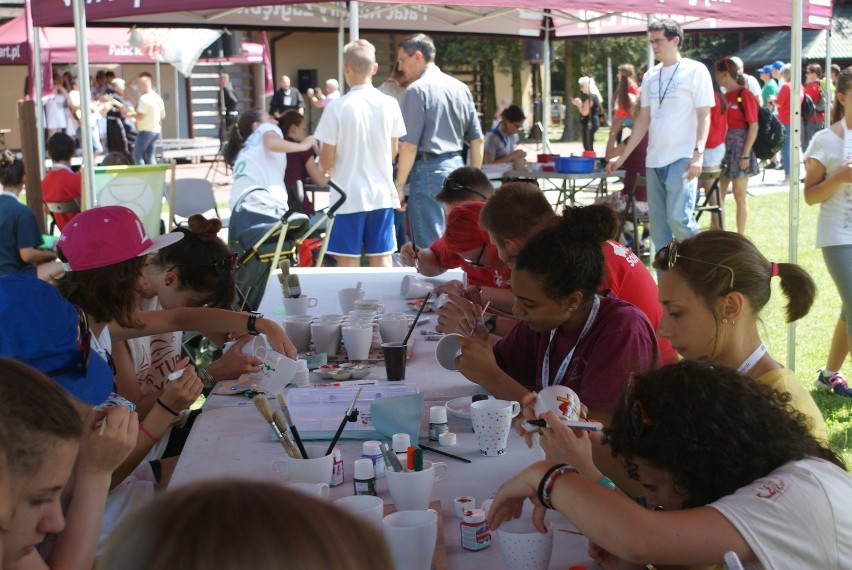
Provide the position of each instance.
(108, 235)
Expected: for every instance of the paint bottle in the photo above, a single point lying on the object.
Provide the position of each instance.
(365, 477)
(372, 450)
(475, 534)
(437, 422)
(336, 469)
(400, 444)
(302, 377)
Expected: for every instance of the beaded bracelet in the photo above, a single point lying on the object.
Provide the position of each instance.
(545, 487)
(165, 407)
(607, 482)
(147, 432)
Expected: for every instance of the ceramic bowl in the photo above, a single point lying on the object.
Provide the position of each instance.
(362, 371)
(340, 374)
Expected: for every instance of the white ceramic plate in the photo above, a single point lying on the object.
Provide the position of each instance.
(460, 407)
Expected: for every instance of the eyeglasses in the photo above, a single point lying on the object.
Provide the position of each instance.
(478, 261)
(639, 418)
(453, 186)
(668, 257)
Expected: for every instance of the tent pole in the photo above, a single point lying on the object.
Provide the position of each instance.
(87, 194)
(609, 88)
(829, 88)
(354, 21)
(545, 81)
(39, 98)
(341, 41)
(650, 51)
(159, 87)
(177, 102)
(795, 148)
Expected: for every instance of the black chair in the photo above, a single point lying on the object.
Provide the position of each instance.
(69, 207)
(713, 191)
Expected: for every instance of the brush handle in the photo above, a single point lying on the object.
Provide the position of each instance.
(337, 434)
(281, 439)
(298, 439)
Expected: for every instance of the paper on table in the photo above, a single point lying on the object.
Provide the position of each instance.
(317, 411)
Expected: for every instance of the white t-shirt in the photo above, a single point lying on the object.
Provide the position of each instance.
(834, 225)
(156, 356)
(54, 111)
(674, 93)
(361, 125)
(151, 105)
(798, 516)
(256, 166)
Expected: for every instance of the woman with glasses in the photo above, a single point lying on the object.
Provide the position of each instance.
(740, 162)
(742, 472)
(501, 140)
(713, 287)
(568, 334)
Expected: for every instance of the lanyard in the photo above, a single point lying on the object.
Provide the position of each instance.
(560, 374)
(669, 84)
(496, 131)
(753, 358)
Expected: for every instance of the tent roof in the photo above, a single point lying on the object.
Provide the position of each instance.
(467, 14)
(777, 46)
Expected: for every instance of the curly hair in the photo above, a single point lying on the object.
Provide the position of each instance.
(752, 272)
(566, 254)
(105, 293)
(203, 262)
(712, 429)
(34, 412)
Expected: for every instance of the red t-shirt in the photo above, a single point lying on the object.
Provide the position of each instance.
(742, 108)
(620, 341)
(718, 125)
(479, 276)
(782, 104)
(630, 281)
(812, 91)
(61, 185)
(632, 89)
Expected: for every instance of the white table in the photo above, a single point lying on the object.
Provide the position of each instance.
(567, 184)
(230, 439)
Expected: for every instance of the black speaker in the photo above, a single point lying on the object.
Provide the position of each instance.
(307, 78)
(533, 51)
(232, 44)
(213, 51)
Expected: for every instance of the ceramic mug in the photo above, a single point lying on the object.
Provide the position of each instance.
(316, 469)
(366, 507)
(523, 547)
(357, 339)
(347, 298)
(411, 537)
(298, 328)
(412, 490)
(369, 305)
(415, 288)
(492, 421)
(319, 490)
(294, 306)
(393, 329)
(326, 337)
(447, 350)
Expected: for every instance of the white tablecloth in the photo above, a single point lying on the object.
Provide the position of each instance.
(230, 439)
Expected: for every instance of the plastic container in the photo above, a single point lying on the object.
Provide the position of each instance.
(475, 534)
(364, 477)
(372, 450)
(574, 164)
(337, 469)
(437, 422)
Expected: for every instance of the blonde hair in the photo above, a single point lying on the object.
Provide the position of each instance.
(360, 56)
(229, 524)
(590, 83)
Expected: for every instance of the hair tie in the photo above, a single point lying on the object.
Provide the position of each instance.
(774, 270)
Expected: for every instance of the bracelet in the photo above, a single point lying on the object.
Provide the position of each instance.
(607, 482)
(745, 156)
(545, 487)
(252, 321)
(145, 430)
(165, 407)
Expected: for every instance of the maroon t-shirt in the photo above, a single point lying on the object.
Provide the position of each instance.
(620, 341)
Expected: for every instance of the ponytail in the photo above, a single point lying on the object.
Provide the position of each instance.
(799, 288)
(240, 131)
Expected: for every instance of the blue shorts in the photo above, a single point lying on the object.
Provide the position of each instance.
(373, 231)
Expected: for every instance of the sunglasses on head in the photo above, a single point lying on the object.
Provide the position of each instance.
(668, 257)
(639, 418)
(453, 186)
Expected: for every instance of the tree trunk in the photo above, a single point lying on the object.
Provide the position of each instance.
(571, 123)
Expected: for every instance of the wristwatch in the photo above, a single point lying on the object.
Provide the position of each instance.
(699, 149)
(252, 321)
(491, 323)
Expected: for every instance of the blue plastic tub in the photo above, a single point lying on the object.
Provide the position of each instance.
(574, 164)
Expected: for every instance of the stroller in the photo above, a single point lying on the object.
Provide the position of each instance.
(263, 231)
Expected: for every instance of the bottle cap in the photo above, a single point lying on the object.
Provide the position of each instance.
(371, 448)
(438, 415)
(401, 441)
(447, 438)
(474, 516)
(364, 469)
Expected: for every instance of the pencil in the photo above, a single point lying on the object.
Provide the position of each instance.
(444, 453)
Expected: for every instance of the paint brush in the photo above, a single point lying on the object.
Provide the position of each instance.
(293, 451)
(262, 405)
(346, 418)
(479, 321)
(282, 403)
(417, 318)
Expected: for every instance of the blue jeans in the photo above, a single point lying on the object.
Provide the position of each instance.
(671, 203)
(143, 151)
(425, 213)
(785, 155)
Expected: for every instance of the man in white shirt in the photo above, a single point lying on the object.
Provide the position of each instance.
(359, 133)
(676, 98)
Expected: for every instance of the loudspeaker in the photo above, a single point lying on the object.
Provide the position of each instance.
(533, 51)
(232, 44)
(306, 79)
(213, 51)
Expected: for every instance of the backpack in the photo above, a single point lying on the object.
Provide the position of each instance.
(808, 108)
(771, 134)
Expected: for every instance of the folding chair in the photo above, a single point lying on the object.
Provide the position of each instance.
(69, 207)
(707, 205)
(632, 214)
(192, 196)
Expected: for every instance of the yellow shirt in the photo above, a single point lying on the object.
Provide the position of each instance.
(784, 380)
